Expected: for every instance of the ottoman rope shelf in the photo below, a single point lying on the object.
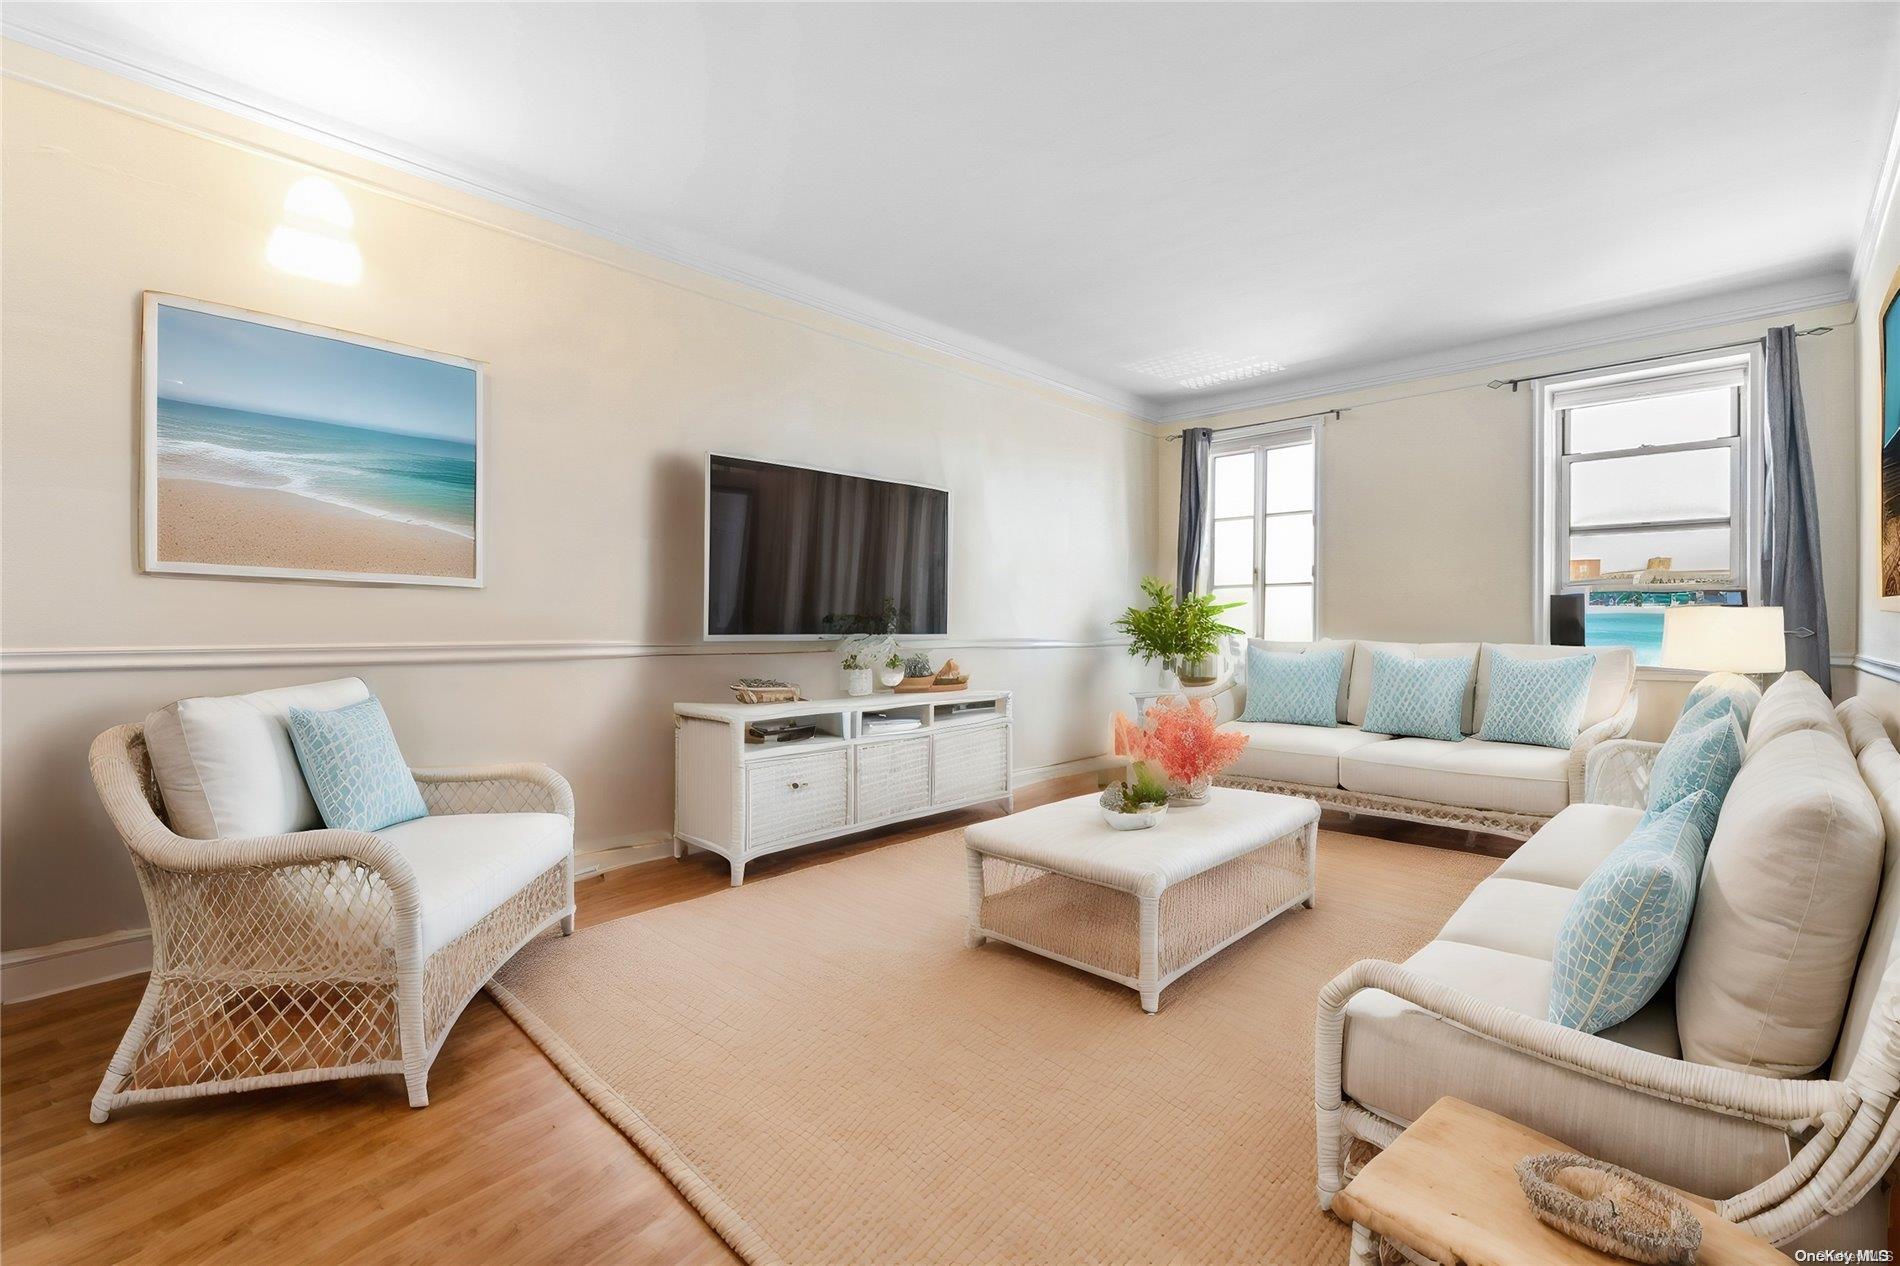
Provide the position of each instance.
(1140, 908)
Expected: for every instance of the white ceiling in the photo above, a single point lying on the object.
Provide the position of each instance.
(1125, 198)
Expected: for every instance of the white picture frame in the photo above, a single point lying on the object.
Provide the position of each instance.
(406, 532)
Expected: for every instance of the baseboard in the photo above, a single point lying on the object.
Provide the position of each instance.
(47, 969)
(1062, 769)
(598, 859)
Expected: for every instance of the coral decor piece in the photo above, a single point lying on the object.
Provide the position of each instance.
(1182, 741)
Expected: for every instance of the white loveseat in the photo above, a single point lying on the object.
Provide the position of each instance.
(284, 952)
(1795, 1155)
(1508, 789)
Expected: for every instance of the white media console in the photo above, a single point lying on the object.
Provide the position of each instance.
(743, 800)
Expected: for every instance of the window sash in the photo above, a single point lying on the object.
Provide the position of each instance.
(1260, 446)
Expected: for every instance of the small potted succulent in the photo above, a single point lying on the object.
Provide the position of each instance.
(857, 674)
(892, 672)
(919, 673)
(1137, 803)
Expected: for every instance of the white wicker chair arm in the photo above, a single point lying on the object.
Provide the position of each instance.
(1793, 1104)
(1617, 772)
(1608, 729)
(525, 788)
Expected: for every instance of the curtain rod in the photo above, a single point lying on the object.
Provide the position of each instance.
(1512, 383)
(1248, 426)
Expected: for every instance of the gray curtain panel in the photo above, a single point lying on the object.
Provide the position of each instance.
(1791, 535)
(1195, 445)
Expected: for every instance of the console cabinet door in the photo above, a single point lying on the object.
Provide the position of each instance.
(794, 796)
(970, 763)
(893, 778)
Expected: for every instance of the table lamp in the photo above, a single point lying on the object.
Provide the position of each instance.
(1712, 639)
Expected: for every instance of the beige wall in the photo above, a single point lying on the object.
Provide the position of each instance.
(1425, 495)
(610, 376)
(1879, 617)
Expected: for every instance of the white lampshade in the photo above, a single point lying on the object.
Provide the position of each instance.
(1714, 639)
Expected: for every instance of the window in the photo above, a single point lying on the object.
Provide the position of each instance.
(1647, 494)
(1262, 536)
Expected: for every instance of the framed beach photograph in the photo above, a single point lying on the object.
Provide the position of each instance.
(1890, 447)
(275, 448)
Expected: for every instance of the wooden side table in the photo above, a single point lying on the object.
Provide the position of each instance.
(1445, 1191)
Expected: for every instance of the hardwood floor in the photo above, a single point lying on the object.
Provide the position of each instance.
(507, 1164)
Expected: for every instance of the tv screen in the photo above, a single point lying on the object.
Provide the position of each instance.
(795, 552)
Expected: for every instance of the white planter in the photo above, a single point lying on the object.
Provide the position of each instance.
(889, 677)
(857, 681)
(1134, 821)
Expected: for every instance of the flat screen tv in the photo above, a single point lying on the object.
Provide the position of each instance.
(793, 552)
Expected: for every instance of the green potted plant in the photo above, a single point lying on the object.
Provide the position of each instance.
(857, 674)
(1139, 802)
(892, 671)
(1183, 635)
(919, 673)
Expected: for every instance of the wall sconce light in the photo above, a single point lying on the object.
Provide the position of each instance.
(314, 239)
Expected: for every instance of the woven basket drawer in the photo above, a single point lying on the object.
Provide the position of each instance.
(970, 763)
(893, 778)
(796, 796)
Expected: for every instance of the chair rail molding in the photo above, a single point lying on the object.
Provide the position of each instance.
(87, 659)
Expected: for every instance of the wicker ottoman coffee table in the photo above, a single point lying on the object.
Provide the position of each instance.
(1140, 907)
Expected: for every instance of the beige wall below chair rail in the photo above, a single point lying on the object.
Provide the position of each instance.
(610, 376)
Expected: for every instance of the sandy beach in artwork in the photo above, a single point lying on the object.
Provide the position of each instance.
(205, 522)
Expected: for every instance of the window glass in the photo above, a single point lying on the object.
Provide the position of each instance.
(1289, 548)
(1702, 553)
(1288, 613)
(1233, 552)
(1243, 616)
(1682, 418)
(1653, 488)
(1289, 478)
(1233, 485)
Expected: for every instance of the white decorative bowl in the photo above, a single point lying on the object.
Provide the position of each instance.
(1134, 821)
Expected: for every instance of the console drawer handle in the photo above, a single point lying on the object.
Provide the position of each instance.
(798, 785)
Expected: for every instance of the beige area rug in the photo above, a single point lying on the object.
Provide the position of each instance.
(830, 1076)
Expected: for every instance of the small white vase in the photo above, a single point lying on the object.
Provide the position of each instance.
(1134, 821)
(888, 677)
(857, 681)
(1188, 795)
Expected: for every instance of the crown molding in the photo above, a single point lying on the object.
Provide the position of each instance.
(675, 247)
(1886, 188)
(1798, 296)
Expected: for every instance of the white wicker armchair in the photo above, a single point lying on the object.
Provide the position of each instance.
(297, 958)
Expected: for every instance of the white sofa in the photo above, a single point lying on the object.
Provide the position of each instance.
(1795, 1153)
(283, 952)
(1508, 789)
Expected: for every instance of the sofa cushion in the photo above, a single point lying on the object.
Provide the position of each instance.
(1359, 691)
(1621, 936)
(1508, 777)
(1517, 916)
(1696, 760)
(1787, 894)
(354, 768)
(1423, 698)
(225, 766)
(1611, 681)
(1535, 700)
(1880, 770)
(1743, 694)
(1567, 849)
(1793, 703)
(1306, 754)
(1399, 1059)
(1325, 643)
(466, 864)
(1298, 688)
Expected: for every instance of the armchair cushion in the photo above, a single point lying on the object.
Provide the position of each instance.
(354, 768)
(466, 864)
(225, 765)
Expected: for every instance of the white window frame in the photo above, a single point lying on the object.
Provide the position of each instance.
(1258, 439)
(1740, 368)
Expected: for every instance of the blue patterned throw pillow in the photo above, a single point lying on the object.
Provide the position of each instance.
(1620, 938)
(1719, 692)
(1705, 758)
(353, 767)
(1295, 687)
(1422, 698)
(1537, 701)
